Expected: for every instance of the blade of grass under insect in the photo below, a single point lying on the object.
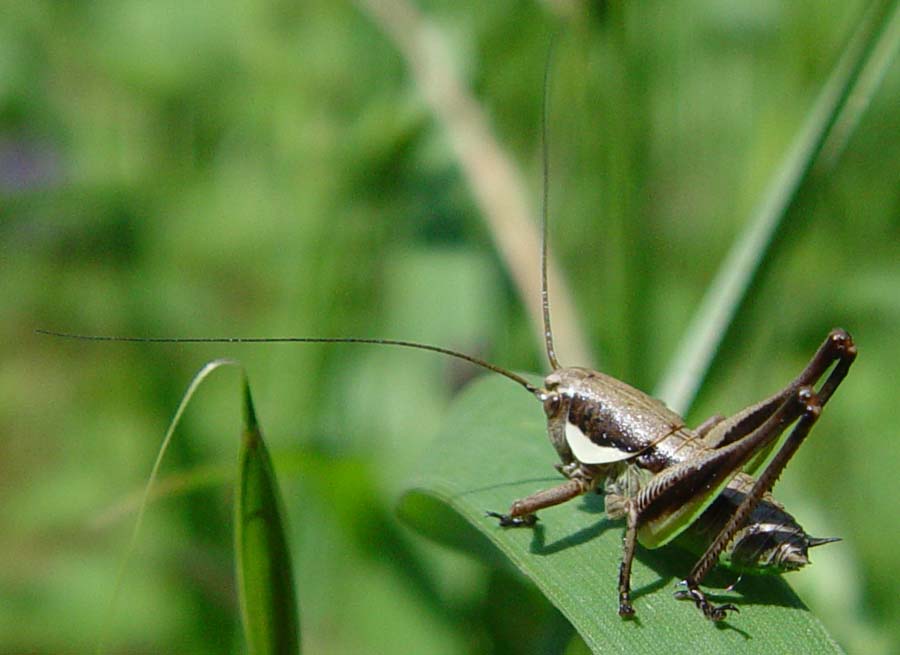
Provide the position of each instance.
(493, 450)
(197, 380)
(829, 124)
(264, 570)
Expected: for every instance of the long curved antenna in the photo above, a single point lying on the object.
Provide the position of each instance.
(545, 201)
(384, 342)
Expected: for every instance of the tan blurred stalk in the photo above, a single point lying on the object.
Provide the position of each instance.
(496, 182)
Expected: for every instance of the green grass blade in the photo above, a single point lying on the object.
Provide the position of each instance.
(828, 125)
(264, 570)
(194, 384)
(493, 450)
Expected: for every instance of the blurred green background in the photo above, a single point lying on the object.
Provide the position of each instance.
(271, 168)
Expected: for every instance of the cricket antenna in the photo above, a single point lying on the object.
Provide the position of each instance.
(383, 342)
(545, 200)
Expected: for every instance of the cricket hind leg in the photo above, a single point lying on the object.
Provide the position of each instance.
(753, 431)
(838, 346)
(811, 412)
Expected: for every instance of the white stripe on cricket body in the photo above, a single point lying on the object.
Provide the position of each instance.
(588, 452)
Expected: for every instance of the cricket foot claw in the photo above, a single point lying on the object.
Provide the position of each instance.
(719, 612)
(626, 610)
(710, 611)
(507, 521)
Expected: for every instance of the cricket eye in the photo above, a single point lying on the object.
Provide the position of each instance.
(551, 405)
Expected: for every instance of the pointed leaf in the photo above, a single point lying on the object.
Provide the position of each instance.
(264, 570)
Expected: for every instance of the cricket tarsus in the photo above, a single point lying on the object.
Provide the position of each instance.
(626, 609)
(710, 611)
(508, 521)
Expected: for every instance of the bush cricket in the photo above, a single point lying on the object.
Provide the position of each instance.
(662, 477)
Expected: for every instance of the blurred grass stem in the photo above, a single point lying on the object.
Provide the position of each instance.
(829, 123)
(496, 183)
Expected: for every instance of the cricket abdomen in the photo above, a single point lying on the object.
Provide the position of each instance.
(771, 542)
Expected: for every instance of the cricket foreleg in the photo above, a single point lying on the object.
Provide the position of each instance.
(812, 407)
(522, 511)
